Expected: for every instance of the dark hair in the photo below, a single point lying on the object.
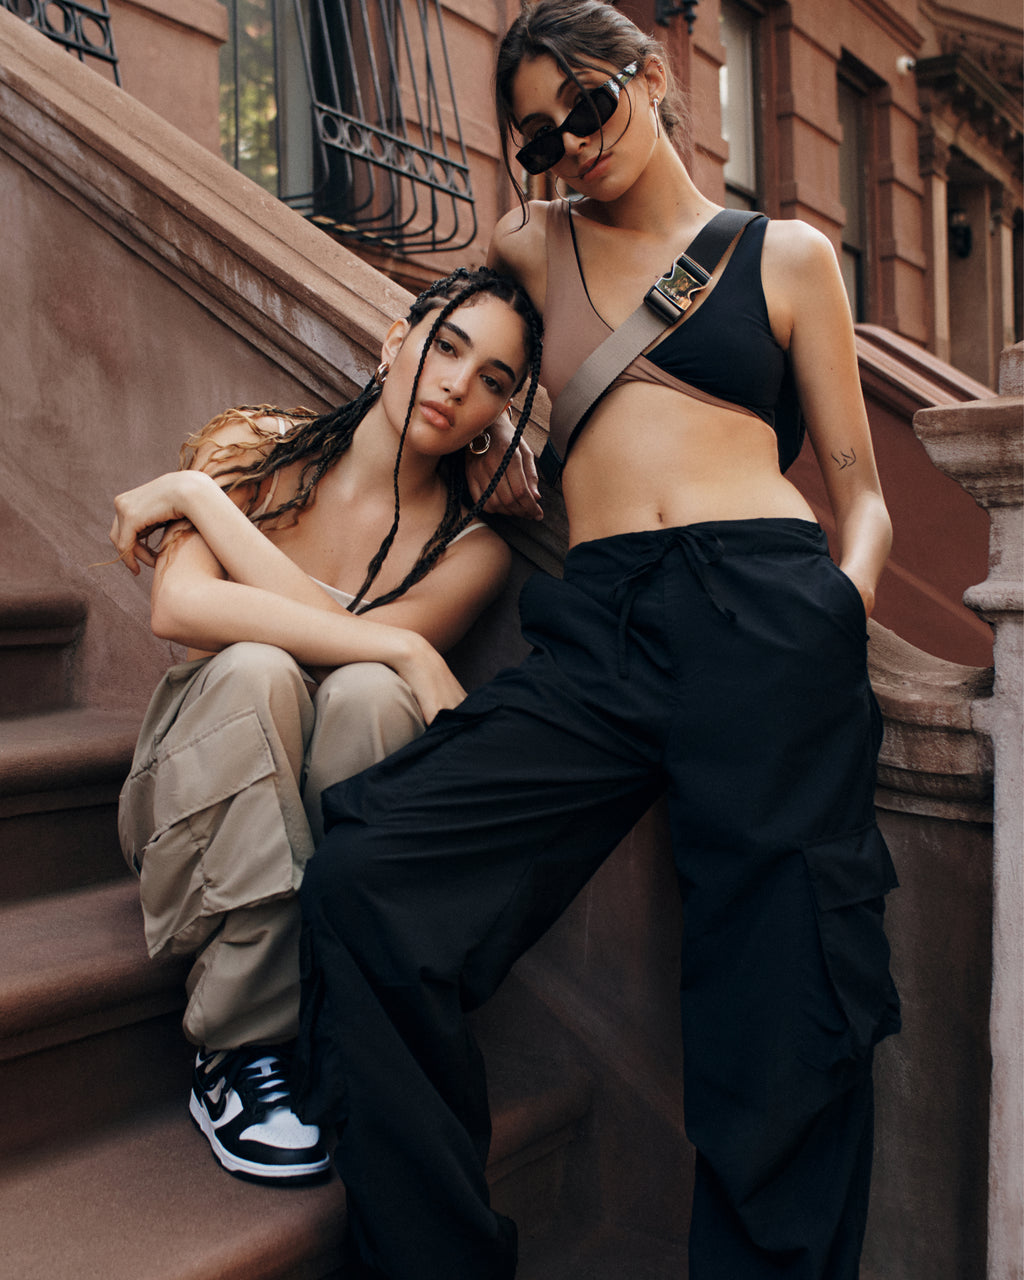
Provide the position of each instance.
(576, 34)
(320, 440)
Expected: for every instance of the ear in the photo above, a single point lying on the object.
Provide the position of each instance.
(396, 335)
(655, 77)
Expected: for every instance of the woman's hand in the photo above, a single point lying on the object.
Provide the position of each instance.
(867, 593)
(428, 676)
(518, 493)
(159, 502)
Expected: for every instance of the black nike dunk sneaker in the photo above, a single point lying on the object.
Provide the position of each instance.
(242, 1104)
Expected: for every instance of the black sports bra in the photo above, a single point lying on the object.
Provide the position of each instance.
(724, 351)
(726, 347)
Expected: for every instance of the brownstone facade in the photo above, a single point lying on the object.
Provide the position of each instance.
(894, 127)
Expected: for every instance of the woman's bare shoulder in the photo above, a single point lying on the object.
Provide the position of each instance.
(479, 539)
(478, 554)
(792, 245)
(444, 603)
(518, 244)
(799, 269)
(519, 247)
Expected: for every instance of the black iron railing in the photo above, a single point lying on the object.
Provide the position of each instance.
(84, 29)
(390, 166)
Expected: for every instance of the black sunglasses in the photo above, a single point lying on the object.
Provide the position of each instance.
(589, 115)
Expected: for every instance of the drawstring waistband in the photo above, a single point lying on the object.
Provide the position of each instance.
(701, 549)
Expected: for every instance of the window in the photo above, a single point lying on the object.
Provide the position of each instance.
(737, 88)
(853, 193)
(248, 92)
(346, 110)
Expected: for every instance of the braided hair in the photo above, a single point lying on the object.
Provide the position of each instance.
(320, 440)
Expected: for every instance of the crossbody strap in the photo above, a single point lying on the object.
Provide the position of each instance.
(666, 300)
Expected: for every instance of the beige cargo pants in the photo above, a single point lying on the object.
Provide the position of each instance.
(221, 812)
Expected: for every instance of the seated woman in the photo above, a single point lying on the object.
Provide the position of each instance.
(291, 681)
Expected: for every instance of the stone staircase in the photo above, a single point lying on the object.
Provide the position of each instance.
(101, 1172)
(156, 285)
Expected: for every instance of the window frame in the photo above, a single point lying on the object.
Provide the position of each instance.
(738, 194)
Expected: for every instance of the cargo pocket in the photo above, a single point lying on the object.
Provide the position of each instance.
(850, 876)
(217, 835)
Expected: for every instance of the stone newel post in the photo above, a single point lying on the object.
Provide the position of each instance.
(979, 444)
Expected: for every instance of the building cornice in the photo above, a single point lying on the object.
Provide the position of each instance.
(969, 89)
(958, 83)
(892, 23)
(206, 16)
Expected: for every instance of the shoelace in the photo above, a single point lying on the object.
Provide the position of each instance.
(261, 1082)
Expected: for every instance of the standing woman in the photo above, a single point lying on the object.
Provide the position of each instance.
(304, 666)
(703, 645)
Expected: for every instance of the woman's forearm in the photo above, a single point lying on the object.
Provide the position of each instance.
(210, 613)
(865, 539)
(246, 554)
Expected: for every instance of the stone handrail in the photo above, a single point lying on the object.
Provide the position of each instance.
(979, 444)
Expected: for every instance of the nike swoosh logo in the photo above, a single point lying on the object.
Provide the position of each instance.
(215, 1100)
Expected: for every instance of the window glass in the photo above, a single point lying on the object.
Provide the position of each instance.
(248, 94)
(852, 184)
(737, 93)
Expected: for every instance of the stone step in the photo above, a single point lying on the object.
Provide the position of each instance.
(89, 1026)
(94, 1072)
(60, 775)
(145, 1198)
(147, 1201)
(38, 632)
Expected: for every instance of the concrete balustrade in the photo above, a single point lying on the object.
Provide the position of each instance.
(979, 444)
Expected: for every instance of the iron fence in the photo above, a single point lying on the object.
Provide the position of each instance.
(84, 29)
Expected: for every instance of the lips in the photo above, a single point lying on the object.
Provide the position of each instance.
(438, 415)
(588, 169)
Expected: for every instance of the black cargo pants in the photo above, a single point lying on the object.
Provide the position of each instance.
(725, 664)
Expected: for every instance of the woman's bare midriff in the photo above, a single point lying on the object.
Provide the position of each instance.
(651, 458)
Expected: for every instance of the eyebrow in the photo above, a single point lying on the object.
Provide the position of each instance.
(461, 333)
(543, 115)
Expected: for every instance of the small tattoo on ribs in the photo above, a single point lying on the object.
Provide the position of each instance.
(844, 460)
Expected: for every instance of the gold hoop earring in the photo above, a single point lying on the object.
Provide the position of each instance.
(657, 117)
(383, 369)
(480, 444)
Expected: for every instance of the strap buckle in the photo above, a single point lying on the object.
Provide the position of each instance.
(670, 297)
